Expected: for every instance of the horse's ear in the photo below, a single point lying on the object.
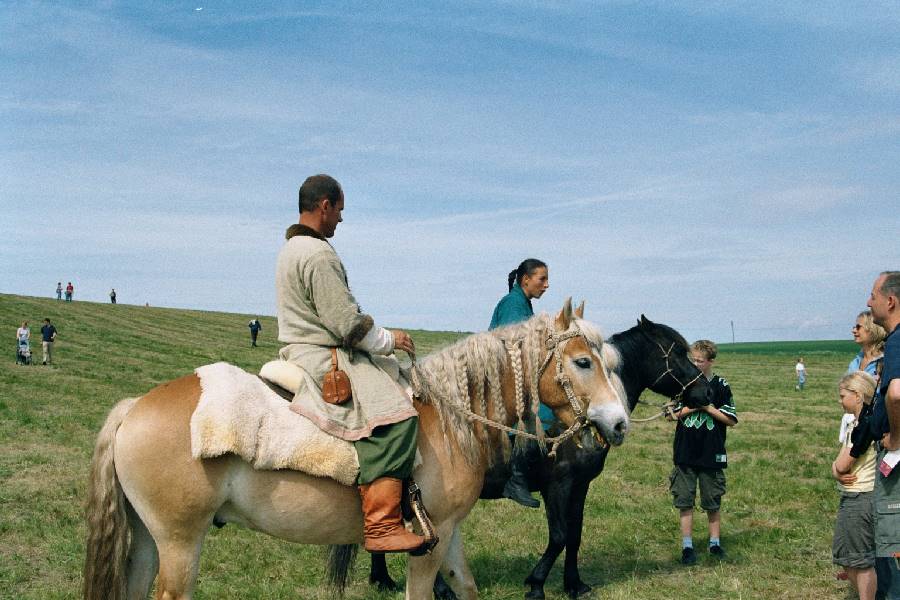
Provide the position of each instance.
(644, 321)
(564, 318)
(579, 312)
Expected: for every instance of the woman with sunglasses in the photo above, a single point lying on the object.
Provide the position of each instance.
(870, 337)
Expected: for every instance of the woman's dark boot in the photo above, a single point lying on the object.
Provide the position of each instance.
(516, 487)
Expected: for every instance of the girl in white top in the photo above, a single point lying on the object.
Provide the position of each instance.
(854, 469)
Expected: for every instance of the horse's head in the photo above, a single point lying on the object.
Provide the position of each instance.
(576, 371)
(669, 363)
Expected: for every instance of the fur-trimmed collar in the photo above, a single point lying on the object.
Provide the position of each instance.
(298, 229)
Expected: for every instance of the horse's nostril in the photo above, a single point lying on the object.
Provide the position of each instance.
(620, 427)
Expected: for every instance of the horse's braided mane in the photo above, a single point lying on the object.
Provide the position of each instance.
(467, 374)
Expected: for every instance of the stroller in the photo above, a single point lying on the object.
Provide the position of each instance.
(23, 353)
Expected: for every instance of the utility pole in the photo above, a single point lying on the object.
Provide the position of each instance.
(732, 332)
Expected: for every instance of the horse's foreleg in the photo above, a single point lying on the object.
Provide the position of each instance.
(143, 559)
(571, 579)
(556, 501)
(455, 569)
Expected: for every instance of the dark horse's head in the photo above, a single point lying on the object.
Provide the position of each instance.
(659, 358)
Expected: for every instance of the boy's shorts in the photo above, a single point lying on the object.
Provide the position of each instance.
(683, 485)
(854, 531)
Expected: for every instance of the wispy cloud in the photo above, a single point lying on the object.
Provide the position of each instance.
(700, 163)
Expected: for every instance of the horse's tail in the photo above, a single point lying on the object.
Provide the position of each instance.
(340, 561)
(109, 535)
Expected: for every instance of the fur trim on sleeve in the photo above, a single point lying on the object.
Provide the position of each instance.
(359, 331)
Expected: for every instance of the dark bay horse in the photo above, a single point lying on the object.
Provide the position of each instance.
(653, 356)
(151, 503)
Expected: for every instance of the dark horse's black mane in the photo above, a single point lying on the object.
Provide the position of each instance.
(627, 341)
(564, 482)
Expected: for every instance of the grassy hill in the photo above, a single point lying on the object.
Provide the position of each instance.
(777, 515)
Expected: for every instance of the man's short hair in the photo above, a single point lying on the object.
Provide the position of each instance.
(317, 187)
(891, 285)
(707, 347)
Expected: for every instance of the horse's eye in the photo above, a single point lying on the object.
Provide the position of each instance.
(584, 363)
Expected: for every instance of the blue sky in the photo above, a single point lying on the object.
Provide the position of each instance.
(699, 163)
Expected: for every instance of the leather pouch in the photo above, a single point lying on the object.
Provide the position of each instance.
(336, 383)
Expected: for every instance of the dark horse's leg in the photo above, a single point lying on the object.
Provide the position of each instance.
(571, 579)
(556, 502)
(379, 575)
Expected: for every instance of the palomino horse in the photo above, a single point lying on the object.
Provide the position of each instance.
(652, 355)
(151, 503)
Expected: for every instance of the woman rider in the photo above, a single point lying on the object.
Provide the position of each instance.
(529, 280)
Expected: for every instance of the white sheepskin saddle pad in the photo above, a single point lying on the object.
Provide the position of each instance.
(239, 414)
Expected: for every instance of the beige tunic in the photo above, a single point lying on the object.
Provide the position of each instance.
(317, 311)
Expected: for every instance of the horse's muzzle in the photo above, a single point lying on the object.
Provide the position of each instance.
(610, 422)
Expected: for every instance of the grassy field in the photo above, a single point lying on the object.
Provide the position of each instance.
(777, 515)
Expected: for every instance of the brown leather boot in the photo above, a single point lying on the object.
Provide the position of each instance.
(382, 525)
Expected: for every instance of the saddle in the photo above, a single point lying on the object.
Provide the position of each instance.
(282, 377)
(240, 414)
(249, 415)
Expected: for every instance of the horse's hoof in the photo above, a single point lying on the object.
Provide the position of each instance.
(535, 594)
(385, 585)
(579, 590)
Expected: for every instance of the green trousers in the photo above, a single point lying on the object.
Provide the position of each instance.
(389, 452)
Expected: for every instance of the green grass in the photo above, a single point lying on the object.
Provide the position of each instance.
(777, 516)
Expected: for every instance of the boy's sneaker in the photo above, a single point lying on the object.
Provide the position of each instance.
(717, 551)
(688, 556)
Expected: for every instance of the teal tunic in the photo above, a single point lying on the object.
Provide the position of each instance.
(512, 308)
(515, 307)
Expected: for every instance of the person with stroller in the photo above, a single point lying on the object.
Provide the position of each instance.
(23, 344)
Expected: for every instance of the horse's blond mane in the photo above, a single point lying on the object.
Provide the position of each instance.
(475, 364)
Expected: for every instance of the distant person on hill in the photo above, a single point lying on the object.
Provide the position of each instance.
(59, 290)
(70, 291)
(800, 368)
(48, 336)
(255, 328)
(884, 302)
(854, 469)
(23, 344)
(112, 296)
(526, 282)
(699, 455)
(870, 337)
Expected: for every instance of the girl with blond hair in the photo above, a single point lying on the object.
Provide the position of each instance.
(854, 469)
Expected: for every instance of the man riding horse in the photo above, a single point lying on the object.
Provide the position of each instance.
(321, 322)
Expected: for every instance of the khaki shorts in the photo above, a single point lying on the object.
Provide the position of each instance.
(854, 531)
(683, 485)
